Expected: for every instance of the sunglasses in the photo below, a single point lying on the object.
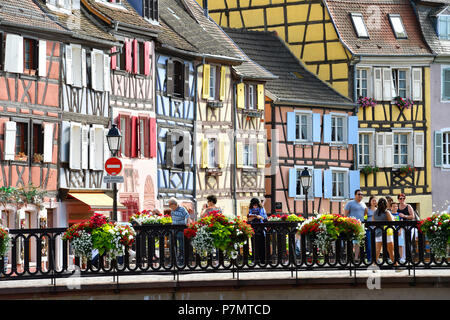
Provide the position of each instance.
(359, 194)
(401, 198)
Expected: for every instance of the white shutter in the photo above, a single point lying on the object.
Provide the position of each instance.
(388, 149)
(48, 142)
(387, 84)
(379, 149)
(83, 68)
(76, 65)
(106, 72)
(42, 68)
(92, 146)
(69, 70)
(10, 141)
(99, 133)
(75, 146)
(14, 53)
(106, 152)
(378, 84)
(93, 70)
(419, 149)
(417, 84)
(85, 147)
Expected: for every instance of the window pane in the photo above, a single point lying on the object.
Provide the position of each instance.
(398, 26)
(360, 27)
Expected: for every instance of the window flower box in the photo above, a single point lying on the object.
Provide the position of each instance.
(369, 169)
(252, 113)
(406, 169)
(402, 103)
(366, 102)
(21, 157)
(214, 104)
(213, 172)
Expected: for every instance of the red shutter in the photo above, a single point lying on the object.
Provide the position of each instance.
(119, 153)
(127, 56)
(145, 145)
(147, 58)
(113, 58)
(135, 56)
(153, 137)
(134, 137)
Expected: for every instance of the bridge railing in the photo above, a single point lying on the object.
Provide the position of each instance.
(158, 249)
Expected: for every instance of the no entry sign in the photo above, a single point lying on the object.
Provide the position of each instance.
(113, 166)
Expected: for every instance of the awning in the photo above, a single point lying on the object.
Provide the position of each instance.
(97, 201)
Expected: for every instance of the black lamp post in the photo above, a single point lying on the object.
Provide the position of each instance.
(114, 139)
(305, 181)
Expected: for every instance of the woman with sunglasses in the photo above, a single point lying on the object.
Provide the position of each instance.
(405, 211)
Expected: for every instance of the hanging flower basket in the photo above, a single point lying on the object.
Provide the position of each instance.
(437, 229)
(5, 241)
(218, 231)
(365, 102)
(326, 228)
(403, 103)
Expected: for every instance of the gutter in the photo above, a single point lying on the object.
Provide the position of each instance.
(283, 101)
(36, 29)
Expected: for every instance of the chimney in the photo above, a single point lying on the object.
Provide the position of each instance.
(205, 7)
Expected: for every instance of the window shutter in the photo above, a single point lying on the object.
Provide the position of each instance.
(94, 70)
(106, 152)
(135, 56)
(292, 183)
(327, 184)
(69, 69)
(134, 137)
(75, 146)
(92, 150)
(48, 142)
(261, 97)
(14, 53)
(387, 84)
(99, 132)
(261, 155)
(106, 73)
(240, 95)
(113, 58)
(327, 128)
(438, 149)
(239, 155)
(153, 137)
(186, 74)
(85, 147)
(169, 77)
(352, 128)
(206, 73)
(419, 149)
(378, 84)
(42, 67)
(204, 153)
(187, 149)
(417, 84)
(316, 127)
(128, 56)
(354, 182)
(83, 68)
(290, 126)
(388, 149)
(223, 82)
(10, 140)
(147, 57)
(317, 183)
(380, 149)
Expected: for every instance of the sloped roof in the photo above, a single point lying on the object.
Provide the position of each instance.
(382, 40)
(294, 83)
(440, 47)
(248, 69)
(28, 14)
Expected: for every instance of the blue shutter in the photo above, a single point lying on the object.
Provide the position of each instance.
(317, 176)
(316, 127)
(438, 149)
(327, 184)
(161, 182)
(292, 183)
(352, 127)
(327, 128)
(291, 126)
(354, 182)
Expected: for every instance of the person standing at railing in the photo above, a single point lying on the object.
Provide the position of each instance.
(400, 234)
(210, 207)
(180, 216)
(370, 211)
(383, 214)
(356, 209)
(406, 212)
(257, 215)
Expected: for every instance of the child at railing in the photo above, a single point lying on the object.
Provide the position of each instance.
(401, 236)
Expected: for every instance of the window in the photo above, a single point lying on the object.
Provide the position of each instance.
(178, 78)
(211, 153)
(359, 25)
(30, 54)
(399, 83)
(300, 192)
(22, 138)
(123, 126)
(38, 140)
(401, 148)
(249, 155)
(361, 82)
(443, 27)
(446, 83)
(213, 83)
(364, 149)
(251, 97)
(446, 148)
(339, 184)
(301, 127)
(397, 26)
(150, 8)
(338, 129)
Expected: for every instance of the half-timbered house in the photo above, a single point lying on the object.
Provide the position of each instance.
(363, 49)
(132, 97)
(309, 125)
(30, 60)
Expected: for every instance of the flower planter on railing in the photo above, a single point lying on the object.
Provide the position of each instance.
(437, 229)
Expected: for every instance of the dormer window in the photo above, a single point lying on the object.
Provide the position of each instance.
(359, 25)
(150, 9)
(444, 27)
(65, 6)
(397, 26)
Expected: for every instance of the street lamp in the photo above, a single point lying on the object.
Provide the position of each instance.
(305, 181)
(114, 139)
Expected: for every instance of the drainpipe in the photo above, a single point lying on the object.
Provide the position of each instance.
(355, 112)
(234, 147)
(205, 8)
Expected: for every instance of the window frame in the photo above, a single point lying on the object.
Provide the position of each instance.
(371, 146)
(336, 116)
(438, 26)
(408, 135)
(446, 135)
(309, 126)
(213, 83)
(443, 97)
(396, 82)
(359, 79)
(34, 55)
(301, 195)
(393, 17)
(362, 34)
(249, 155)
(212, 152)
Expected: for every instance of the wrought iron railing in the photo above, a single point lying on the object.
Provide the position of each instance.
(159, 249)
